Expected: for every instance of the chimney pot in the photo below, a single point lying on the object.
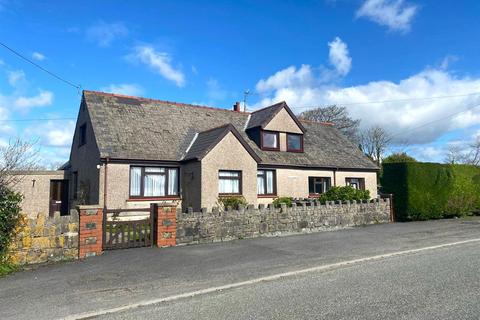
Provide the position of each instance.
(236, 107)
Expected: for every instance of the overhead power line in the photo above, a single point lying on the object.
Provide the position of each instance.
(404, 132)
(36, 119)
(401, 100)
(76, 86)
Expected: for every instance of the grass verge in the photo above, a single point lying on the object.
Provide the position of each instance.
(6, 268)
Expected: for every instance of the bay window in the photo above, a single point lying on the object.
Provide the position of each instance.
(270, 140)
(229, 182)
(266, 182)
(153, 182)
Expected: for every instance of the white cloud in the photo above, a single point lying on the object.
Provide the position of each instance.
(339, 56)
(43, 98)
(215, 91)
(129, 89)
(105, 33)
(160, 62)
(59, 136)
(16, 77)
(400, 117)
(38, 56)
(394, 14)
(288, 77)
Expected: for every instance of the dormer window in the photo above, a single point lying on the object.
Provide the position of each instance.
(294, 142)
(270, 140)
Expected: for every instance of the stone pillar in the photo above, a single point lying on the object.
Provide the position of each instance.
(90, 231)
(166, 226)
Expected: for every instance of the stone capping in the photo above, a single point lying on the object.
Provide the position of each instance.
(262, 207)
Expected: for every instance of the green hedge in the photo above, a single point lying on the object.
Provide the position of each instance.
(425, 191)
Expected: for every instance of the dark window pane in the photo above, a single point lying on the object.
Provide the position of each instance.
(294, 142)
(318, 185)
(270, 140)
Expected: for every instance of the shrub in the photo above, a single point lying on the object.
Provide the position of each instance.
(399, 157)
(232, 201)
(425, 191)
(9, 219)
(344, 193)
(277, 202)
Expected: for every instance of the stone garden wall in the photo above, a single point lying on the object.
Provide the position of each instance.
(42, 239)
(203, 227)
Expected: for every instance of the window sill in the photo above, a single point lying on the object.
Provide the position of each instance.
(270, 149)
(266, 195)
(295, 151)
(152, 199)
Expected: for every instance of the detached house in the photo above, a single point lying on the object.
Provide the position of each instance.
(128, 150)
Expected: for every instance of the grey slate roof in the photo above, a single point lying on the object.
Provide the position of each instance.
(207, 140)
(145, 129)
(262, 117)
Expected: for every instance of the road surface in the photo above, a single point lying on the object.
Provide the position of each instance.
(120, 280)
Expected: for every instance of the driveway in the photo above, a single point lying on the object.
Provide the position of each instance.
(125, 277)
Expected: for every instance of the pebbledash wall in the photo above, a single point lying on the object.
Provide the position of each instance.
(203, 227)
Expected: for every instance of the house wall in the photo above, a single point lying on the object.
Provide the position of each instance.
(118, 184)
(190, 185)
(228, 154)
(36, 196)
(370, 180)
(283, 122)
(84, 160)
(294, 182)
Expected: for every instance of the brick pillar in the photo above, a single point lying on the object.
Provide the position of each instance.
(166, 226)
(90, 235)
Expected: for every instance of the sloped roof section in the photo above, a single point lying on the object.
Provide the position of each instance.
(262, 117)
(207, 140)
(144, 129)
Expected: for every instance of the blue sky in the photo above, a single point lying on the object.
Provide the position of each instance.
(307, 53)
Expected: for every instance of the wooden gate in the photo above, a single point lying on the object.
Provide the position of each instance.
(124, 231)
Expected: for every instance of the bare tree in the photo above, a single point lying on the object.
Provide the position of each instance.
(16, 157)
(374, 141)
(455, 154)
(338, 116)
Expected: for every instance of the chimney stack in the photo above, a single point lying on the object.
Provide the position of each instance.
(236, 107)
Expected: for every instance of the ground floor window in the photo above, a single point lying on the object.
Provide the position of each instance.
(318, 185)
(229, 182)
(356, 183)
(153, 182)
(266, 182)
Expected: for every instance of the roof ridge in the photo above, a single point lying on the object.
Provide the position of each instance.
(271, 106)
(227, 125)
(162, 101)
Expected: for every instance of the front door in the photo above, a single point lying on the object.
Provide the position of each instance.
(58, 197)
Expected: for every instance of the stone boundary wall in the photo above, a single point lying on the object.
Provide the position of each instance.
(204, 227)
(43, 239)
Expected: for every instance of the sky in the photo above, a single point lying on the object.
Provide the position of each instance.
(410, 66)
